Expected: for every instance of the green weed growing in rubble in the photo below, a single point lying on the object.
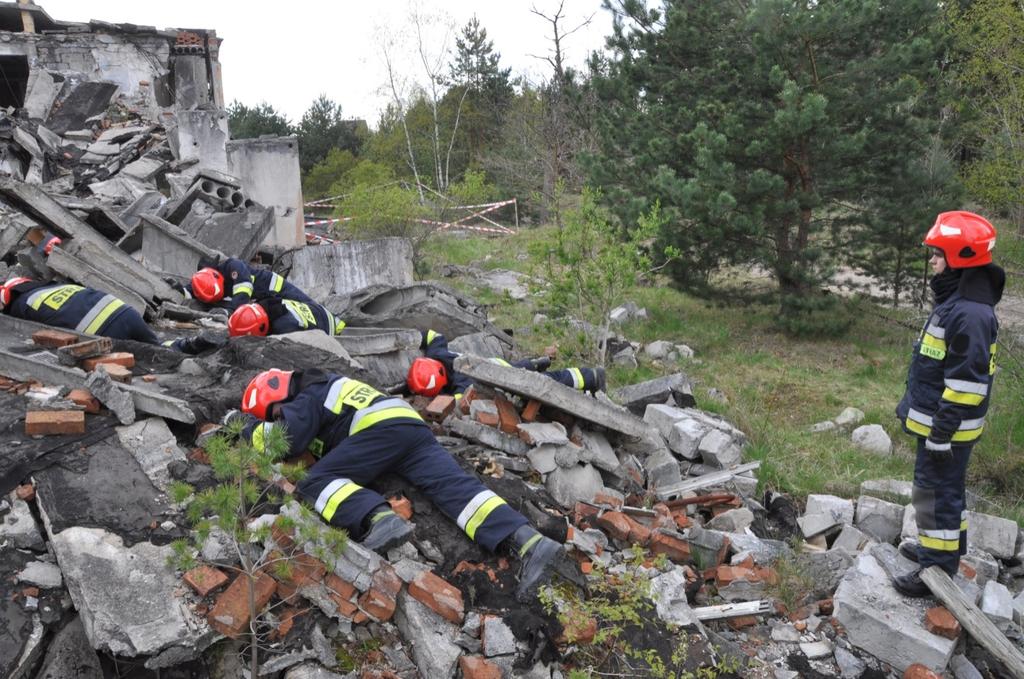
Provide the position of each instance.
(248, 481)
(792, 585)
(618, 603)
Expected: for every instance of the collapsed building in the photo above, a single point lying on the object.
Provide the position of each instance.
(115, 139)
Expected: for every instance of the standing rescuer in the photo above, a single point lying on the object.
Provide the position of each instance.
(949, 384)
(366, 433)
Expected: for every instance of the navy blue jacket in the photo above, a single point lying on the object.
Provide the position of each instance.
(287, 315)
(949, 381)
(327, 409)
(242, 285)
(66, 305)
(435, 345)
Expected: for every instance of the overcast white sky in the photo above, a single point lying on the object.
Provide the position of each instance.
(289, 52)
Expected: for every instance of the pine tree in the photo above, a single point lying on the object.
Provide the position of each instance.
(476, 73)
(321, 129)
(248, 122)
(771, 131)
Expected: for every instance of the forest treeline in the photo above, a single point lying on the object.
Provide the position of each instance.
(785, 136)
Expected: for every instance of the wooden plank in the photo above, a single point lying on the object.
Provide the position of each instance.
(81, 272)
(707, 480)
(973, 620)
(24, 368)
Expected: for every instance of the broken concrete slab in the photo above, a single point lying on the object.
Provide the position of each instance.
(488, 436)
(318, 339)
(636, 397)
(18, 527)
(237, 234)
(732, 521)
(840, 508)
(371, 341)
(41, 574)
(579, 483)
(997, 604)
(155, 448)
(880, 519)
(87, 99)
(432, 639)
(69, 654)
(549, 392)
(82, 272)
(668, 591)
(887, 625)
(168, 249)
(421, 305)
(599, 452)
(542, 433)
(349, 266)
(851, 540)
(40, 93)
(478, 344)
(126, 596)
(111, 395)
(718, 449)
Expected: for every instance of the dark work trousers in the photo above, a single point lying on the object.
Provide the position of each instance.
(128, 324)
(577, 378)
(334, 485)
(940, 503)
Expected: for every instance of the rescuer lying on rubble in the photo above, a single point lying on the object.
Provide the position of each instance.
(366, 433)
(277, 316)
(434, 372)
(210, 284)
(88, 311)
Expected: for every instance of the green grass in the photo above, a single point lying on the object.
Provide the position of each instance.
(1009, 254)
(778, 386)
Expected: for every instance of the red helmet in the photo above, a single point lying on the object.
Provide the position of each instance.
(208, 285)
(50, 244)
(5, 289)
(965, 238)
(249, 319)
(266, 389)
(427, 377)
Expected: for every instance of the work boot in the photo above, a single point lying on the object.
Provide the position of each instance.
(594, 379)
(540, 364)
(204, 341)
(908, 550)
(539, 556)
(387, 531)
(911, 585)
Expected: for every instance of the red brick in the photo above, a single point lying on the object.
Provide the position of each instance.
(742, 622)
(477, 667)
(826, 607)
(639, 534)
(616, 524)
(378, 602)
(674, 548)
(467, 398)
(940, 621)
(531, 411)
(149, 378)
(118, 373)
(205, 579)
(402, 506)
(47, 422)
(583, 510)
(26, 492)
(30, 591)
(122, 358)
(53, 339)
(88, 348)
(230, 615)
(663, 517)
(919, 671)
(606, 499)
(580, 631)
(968, 570)
(84, 398)
(303, 570)
(487, 418)
(682, 520)
(286, 620)
(438, 595)
(508, 418)
(727, 574)
(440, 408)
(341, 593)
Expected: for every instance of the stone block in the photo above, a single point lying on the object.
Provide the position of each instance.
(54, 422)
(817, 524)
(849, 418)
(718, 449)
(997, 604)
(542, 459)
(851, 540)
(497, 637)
(891, 490)
(488, 436)
(439, 596)
(541, 433)
(662, 470)
(964, 668)
(570, 485)
(885, 624)
(873, 439)
(880, 519)
(18, 526)
(598, 451)
(668, 590)
(992, 534)
(732, 521)
(41, 574)
(636, 397)
(840, 508)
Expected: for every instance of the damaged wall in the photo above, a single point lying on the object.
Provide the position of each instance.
(269, 168)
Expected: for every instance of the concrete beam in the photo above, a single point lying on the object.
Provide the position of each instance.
(81, 272)
(547, 391)
(87, 243)
(24, 368)
(167, 248)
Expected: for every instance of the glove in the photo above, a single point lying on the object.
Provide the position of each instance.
(219, 311)
(940, 453)
(174, 283)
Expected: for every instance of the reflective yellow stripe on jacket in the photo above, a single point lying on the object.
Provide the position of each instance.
(363, 398)
(477, 510)
(98, 314)
(921, 424)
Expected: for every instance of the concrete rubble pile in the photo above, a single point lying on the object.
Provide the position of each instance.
(140, 183)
